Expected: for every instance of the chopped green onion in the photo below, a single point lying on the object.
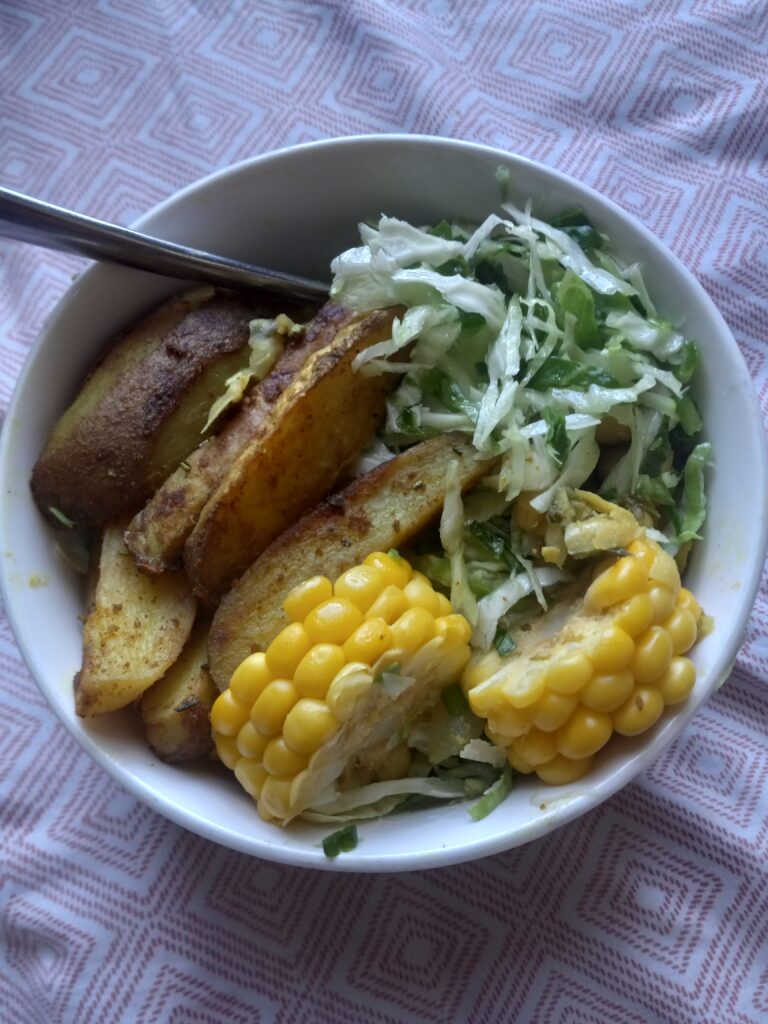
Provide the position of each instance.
(342, 841)
(493, 796)
(503, 642)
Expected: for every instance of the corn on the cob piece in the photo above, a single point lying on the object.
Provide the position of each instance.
(608, 661)
(329, 697)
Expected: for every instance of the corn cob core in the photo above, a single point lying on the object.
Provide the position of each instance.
(360, 658)
(608, 661)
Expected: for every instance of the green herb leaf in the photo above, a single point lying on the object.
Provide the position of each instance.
(342, 841)
(576, 298)
(454, 701)
(688, 414)
(564, 373)
(558, 442)
(694, 505)
(435, 382)
(687, 362)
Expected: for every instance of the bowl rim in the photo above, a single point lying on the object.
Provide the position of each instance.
(359, 860)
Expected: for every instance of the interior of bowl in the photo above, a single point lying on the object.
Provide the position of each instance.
(294, 210)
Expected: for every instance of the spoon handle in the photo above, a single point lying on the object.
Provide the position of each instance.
(25, 219)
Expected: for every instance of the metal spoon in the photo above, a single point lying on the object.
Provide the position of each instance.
(31, 220)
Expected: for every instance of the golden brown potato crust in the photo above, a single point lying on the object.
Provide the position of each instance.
(383, 509)
(156, 536)
(318, 426)
(144, 406)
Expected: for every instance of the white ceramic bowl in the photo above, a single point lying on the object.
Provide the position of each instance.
(294, 210)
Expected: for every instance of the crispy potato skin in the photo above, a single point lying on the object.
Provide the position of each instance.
(381, 510)
(135, 629)
(143, 407)
(176, 709)
(157, 534)
(320, 423)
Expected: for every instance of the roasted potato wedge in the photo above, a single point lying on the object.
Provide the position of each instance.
(142, 409)
(320, 423)
(157, 534)
(135, 629)
(176, 709)
(381, 510)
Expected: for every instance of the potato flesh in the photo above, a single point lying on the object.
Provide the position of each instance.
(143, 407)
(319, 425)
(176, 709)
(382, 510)
(157, 534)
(135, 629)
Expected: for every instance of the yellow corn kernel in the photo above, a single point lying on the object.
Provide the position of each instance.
(486, 698)
(685, 599)
(287, 649)
(413, 629)
(664, 570)
(226, 748)
(308, 725)
(663, 601)
(360, 585)
(270, 708)
(228, 714)
(250, 677)
(643, 551)
(506, 721)
(333, 621)
(625, 578)
(551, 710)
(568, 672)
(612, 650)
(608, 691)
(348, 689)
(635, 615)
(420, 594)
(524, 689)
(251, 776)
(653, 654)
(306, 596)
(584, 734)
(682, 628)
(677, 682)
(369, 641)
(250, 742)
(519, 763)
(275, 798)
(389, 605)
(562, 770)
(639, 712)
(280, 760)
(317, 670)
(454, 630)
(536, 747)
(480, 668)
(397, 572)
(444, 606)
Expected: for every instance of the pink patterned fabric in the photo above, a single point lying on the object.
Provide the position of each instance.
(653, 907)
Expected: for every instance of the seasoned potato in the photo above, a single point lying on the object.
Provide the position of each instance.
(135, 629)
(320, 423)
(157, 534)
(379, 511)
(176, 709)
(142, 409)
